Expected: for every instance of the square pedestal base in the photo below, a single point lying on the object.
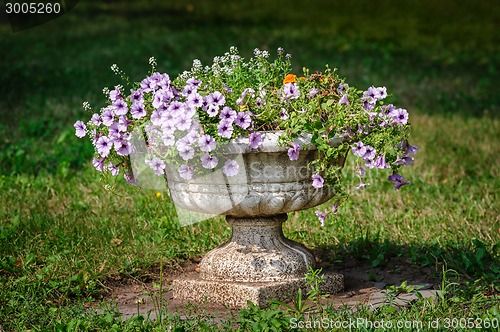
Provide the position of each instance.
(235, 295)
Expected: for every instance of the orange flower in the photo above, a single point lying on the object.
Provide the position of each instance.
(290, 78)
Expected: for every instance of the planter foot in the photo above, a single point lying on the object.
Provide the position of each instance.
(234, 295)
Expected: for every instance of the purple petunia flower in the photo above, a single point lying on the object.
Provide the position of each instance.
(371, 115)
(361, 171)
(318, 181)
(157, 165)
(114, 131)
(157, 118)
(370, 92)
(335, 207)
(123, 123)
(168, 139)
(108, 116)
(122, 147)
(228, 114)
(189, 111)
(291, 91)
(398, 180)
(80, 129)
(362, 184)
(369, 152)
(113, 169)
(188, 90)
(259, 102)
(217, 98)
(404, 160)
(195, 100)
(183, 122)
(283, 114)
(376, 93)
(120, 107)
(313, 92)
(411, 149)
(321, 217)
(386, 110)
(230, 168)
(168, 117)
(154, 81)
(168, 127)
(158, 99)
(96, 119)
(399, 116)
(227, 89)
(95, 135)
(175, 108)
(183, 142)
(186, 152)
(137, 110)
(193, 82)
(129, 178)
(115, 94)
(380, 93)
(380, 162)
(358, 149)
(98, 164)
(344, 100)
(206, 143)
(368, 99)
(294, 151)
(164, 82)
(103, 146)
(212, 110)
(205, 103)
(241, 99)
(208, 161)
(370, 163)
(190, 138)
(368, 103)
(255, 140)
(243, 120)
(145, 85)
(362, 129)
(342, 88)
(136, 96)
(185, 172)
(225, 129)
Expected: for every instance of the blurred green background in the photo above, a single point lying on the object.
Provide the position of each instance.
(64, 239)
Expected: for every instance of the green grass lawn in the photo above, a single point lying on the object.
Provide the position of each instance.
(58, 226)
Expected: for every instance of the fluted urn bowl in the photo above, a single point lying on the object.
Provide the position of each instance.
(268, 182)
(255, 202)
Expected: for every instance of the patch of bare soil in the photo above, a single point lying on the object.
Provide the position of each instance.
(363, 285)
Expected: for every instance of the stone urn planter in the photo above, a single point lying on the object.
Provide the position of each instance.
(258, 263)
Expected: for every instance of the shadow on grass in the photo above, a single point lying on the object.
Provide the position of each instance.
(367, 257)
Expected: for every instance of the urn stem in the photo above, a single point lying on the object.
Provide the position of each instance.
(257, 252)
